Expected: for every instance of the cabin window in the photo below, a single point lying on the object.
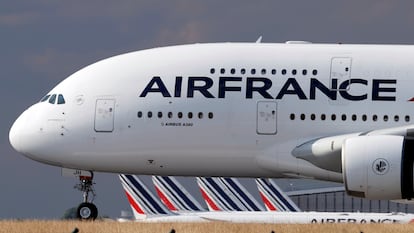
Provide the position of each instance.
(396, 118)
(344, 117)
(354, 117)
(313, 117)
(364, 117)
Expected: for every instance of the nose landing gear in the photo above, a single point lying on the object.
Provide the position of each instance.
(86, 210)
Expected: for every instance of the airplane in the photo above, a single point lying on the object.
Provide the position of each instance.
(147, 209)
(226, 194)
(332, 112)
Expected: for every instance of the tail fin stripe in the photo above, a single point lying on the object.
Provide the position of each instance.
(188, 204)
(267, 203)
(167, 189)
(250, 205)
(214, 198)
(184, 197)
(133, 203)
(209, 196)
(223, 194)
(139, 195)
(165, 200)
(210, 202)
(268, 190)
(265, 193)
(271, 190)
(146, 195)
(282, 198)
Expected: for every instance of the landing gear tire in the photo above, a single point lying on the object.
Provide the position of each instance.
(87, 211)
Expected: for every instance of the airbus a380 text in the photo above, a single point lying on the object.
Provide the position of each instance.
(325, 111)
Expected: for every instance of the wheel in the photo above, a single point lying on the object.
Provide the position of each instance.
(87, 211)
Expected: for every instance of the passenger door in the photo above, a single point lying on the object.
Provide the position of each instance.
(266, 117)
(104, 115)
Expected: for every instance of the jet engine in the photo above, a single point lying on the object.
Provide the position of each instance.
(378, 167)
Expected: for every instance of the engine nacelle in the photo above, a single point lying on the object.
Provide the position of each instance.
(378, 167)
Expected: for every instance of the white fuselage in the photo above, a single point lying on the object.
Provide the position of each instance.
(284, 218)
(226, 109)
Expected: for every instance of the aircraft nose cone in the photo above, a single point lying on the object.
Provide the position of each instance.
(27, 137)
(15, 134)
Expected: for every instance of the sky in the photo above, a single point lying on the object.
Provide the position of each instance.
(42, 42)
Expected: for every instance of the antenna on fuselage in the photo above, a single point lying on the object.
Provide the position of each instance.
(259, 40)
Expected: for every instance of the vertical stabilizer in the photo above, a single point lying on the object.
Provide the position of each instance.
(248, 202)
(142, 201)
(273, 197)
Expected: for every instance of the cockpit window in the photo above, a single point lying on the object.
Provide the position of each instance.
(52, 99)
(45, 98)
(61, 100)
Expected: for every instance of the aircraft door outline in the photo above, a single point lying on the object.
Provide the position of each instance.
(266, 120)
(104, 115)
(341, 71)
